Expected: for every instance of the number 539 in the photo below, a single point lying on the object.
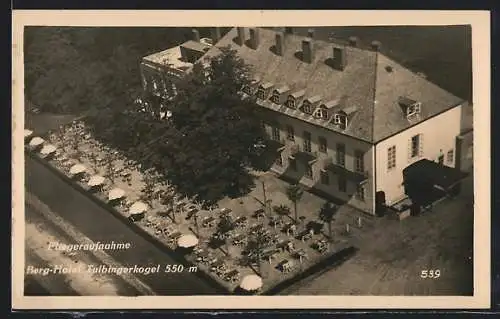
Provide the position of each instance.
(432, 273)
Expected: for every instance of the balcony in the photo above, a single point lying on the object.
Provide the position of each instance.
(357, 177)
(298, 152)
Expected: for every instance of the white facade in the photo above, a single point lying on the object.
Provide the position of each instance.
(437, 138)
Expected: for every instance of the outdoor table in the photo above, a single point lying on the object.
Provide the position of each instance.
(241, 221)
(239, 239)
(256, 228)
(286, 265)
(203, 256)
(283, 244)
(208, 221)
(217, 264)
(304, 235)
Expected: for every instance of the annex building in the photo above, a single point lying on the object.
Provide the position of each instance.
(342, 119)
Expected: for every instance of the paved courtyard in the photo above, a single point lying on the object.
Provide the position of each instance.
(393, 254)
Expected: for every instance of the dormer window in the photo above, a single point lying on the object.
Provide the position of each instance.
(261, 93)
(413, 109)
(410, 107)
(307, 107)
(263, 90)
(247, 90)
(322, 112)
(290, 102)
(275, 98)
(340, 119)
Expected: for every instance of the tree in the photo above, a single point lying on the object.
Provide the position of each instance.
(326, 214)
(254, 250)
(224, 226)
(206, 150)
(294, 194)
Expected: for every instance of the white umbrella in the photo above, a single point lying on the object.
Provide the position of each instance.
(187, 241)
(116, 193)
(48, 149)
(96, 180)
(251, 282)
(36, 141)
(77, 169)
(27, 133)
(138, 207)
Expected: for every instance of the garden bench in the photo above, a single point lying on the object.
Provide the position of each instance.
(286, 266)
(208, 222)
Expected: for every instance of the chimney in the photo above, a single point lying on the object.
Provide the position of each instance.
(353, 41)
(280, 44)
(376, 45)
(196, 35)
(241, 35)
(339, 58)
(215, 33)
(310, 33)
(307, 50)
(288, 30)
(254, 38)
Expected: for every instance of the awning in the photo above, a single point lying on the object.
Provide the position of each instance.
(429, 173)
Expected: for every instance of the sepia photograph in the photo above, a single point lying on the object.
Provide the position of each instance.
(255, 158)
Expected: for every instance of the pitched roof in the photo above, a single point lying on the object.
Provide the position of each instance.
(365, 84)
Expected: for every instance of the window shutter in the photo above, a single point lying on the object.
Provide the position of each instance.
(421, 145)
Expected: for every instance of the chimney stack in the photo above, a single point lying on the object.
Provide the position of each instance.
(241, 35)
(376, 45)
(196, 35)
(307, 50)
(310, 33)
(339, 58)
(215, 33)
(280, 44)
(254, 38)
(288, 30)
(353, 41)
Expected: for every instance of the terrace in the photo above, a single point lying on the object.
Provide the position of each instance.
(223, 234)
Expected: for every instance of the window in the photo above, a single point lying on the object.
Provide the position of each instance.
(155, 85)
(261, 93)
(322, 114)
(290, 102)
(325, 178)
(247, 89)
(340, 154)
(275, 98)
(322, 144)
(307, 107)
(309, 171)
(279, 160)
(449, 157)
(360, 192)
(293, 164)
(340, 120)
(290, 134)
(391, 157)
(413, 109)
(415, 146)
(359, 163)
(307, 142)
(342, 183)
(276, 134)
